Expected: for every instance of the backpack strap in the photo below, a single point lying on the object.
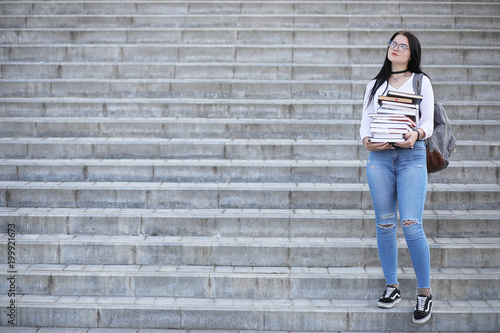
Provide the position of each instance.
(417, 83)
(417, 86)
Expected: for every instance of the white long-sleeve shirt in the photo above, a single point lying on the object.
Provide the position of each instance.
(425, 122)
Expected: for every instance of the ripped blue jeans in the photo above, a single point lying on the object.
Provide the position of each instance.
(399, 177)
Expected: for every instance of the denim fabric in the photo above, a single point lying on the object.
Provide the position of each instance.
(399, 176)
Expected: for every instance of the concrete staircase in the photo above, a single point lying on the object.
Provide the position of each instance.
(196, 165)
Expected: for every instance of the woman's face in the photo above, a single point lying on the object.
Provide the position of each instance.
(395, 53)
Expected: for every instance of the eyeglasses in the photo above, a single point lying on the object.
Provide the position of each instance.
(400, 47)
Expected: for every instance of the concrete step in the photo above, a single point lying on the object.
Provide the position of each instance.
(241, 251)
(251, 7)
(300, 315)
(263, 20)
(159, 148)
(230, 195)
(226, 89)
(239, 222)
(133, 330)
(244, 36)
(187, 128)
(200, 128)
(251, 21)
(225, 171)
(299, 54)
(217, 108)
(224, 71)
(225, 282)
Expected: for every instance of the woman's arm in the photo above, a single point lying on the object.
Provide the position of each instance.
(364, 130)
(426, 123)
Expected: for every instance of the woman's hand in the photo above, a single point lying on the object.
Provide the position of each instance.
(410, 139)
(374, 146)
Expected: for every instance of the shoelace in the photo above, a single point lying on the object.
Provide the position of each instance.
(389, 291)
(421, 303)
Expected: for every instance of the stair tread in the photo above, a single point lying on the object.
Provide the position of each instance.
(204, 121)
(277, 29)
(238, 64)
(219, 162)
(208, 303)
(211, 101)
(293, 213)
(66, 45)
(224, 185)
(215, 162)
(277, 272)
(144, 240)
(225, 63)
(127, 140)
(272, 15)
(235, 80)
(140, 120)
(214, 120)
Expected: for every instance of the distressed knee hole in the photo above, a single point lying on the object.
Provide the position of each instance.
(407, 223)
(389, 217)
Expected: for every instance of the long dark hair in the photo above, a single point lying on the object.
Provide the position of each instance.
(413, 65)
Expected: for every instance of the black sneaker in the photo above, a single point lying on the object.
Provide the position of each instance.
(391, 297)
(422, 311)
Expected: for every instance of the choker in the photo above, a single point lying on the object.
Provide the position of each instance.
(399, 72)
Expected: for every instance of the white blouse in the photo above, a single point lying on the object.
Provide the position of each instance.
(426, 121)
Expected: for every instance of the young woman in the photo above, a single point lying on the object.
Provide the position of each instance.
(397, 173)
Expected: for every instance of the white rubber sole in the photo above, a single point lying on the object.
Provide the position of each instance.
(389, 305)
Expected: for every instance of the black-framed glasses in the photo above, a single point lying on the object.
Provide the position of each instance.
(400, 47)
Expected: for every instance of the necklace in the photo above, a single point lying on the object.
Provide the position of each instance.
(396, 79)
(399, 72)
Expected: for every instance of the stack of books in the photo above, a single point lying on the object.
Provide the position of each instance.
(396, 115)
